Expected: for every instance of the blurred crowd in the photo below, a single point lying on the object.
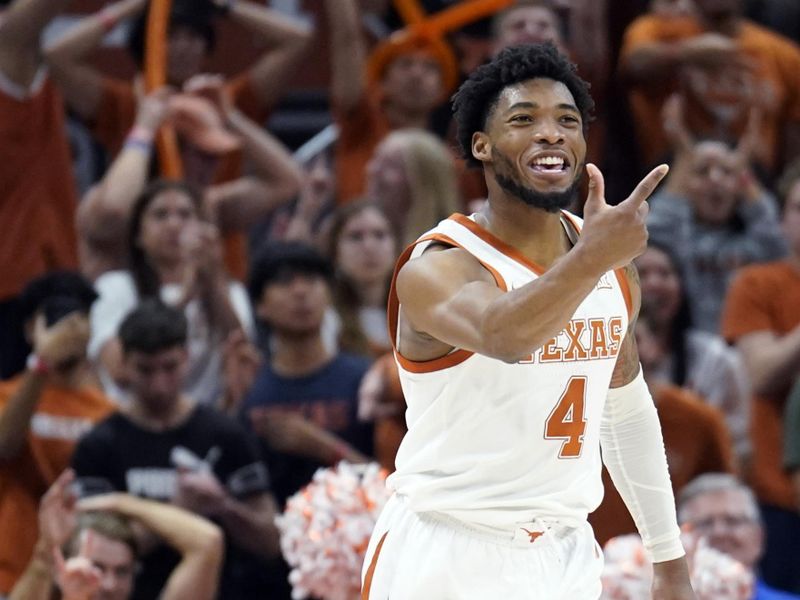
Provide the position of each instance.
(180, 354)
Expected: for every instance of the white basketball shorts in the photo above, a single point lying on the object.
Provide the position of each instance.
(435, 557)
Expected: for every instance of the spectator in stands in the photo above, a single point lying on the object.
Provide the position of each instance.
(762, 317)
(721, 509)
(105, 212)
(695, 437)
(721, 220)
(303, 402)
(697, 360)
(44, 411)
(307, 219)
(38, 197)
(189, 455)
(412, 176)
(363, 248)
(175, 255)
(407, 81)
(527, 22)
(101, 548)
(581, 33)
(723, 65)
(109, 106)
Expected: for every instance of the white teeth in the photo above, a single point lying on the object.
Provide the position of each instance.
(549, 160)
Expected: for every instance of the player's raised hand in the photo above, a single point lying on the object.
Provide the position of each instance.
(614, 235)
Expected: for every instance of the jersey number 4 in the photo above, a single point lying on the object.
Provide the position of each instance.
(567, 420)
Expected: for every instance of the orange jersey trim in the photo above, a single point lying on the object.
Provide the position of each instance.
(497, 243)
(625, 287)
(515, 254)
(448, 360)
(371, 570)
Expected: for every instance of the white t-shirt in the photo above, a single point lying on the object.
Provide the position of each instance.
(118, 297)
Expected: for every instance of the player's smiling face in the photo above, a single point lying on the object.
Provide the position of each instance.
(537, 141)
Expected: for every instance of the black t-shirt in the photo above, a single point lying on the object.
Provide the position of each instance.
(328, 397)
(119, 455)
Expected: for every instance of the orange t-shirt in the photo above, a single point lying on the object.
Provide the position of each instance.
(37, 190)
(765, 298)
(61, 417)
(696, 440)
(116, 114)
(772, 83)
(361, 129)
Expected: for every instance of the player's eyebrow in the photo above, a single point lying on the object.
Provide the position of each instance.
(534, 105)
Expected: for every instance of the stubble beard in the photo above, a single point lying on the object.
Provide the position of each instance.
(551, 202)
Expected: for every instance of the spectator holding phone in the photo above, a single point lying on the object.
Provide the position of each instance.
(44, 410)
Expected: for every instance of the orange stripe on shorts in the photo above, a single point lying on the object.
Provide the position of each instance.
(371, 570)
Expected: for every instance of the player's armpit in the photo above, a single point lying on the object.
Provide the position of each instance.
(627, 366)
(444, 295)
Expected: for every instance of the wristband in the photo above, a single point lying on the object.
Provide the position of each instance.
(141, 133)
(36, 364)
(140, 138)
(107, 19)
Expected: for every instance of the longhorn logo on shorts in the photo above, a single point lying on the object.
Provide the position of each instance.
(534, 535)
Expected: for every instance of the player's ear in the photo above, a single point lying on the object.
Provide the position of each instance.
(481, 146)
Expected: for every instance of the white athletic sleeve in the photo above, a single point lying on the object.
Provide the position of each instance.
(633, 452)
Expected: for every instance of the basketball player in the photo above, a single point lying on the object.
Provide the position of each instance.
(513, 338)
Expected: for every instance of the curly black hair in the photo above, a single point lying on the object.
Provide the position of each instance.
(477, 97)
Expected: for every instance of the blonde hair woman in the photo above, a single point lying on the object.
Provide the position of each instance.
(412, 175)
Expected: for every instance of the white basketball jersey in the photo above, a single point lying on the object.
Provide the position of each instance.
(493, 443)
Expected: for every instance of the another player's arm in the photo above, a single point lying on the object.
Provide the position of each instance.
(633, 451)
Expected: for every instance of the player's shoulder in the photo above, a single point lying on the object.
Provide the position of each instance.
(440, 266)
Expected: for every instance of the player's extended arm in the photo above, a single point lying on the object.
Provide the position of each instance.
(448, 296)
(197, 540)
(83, 85)
(633, 452)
